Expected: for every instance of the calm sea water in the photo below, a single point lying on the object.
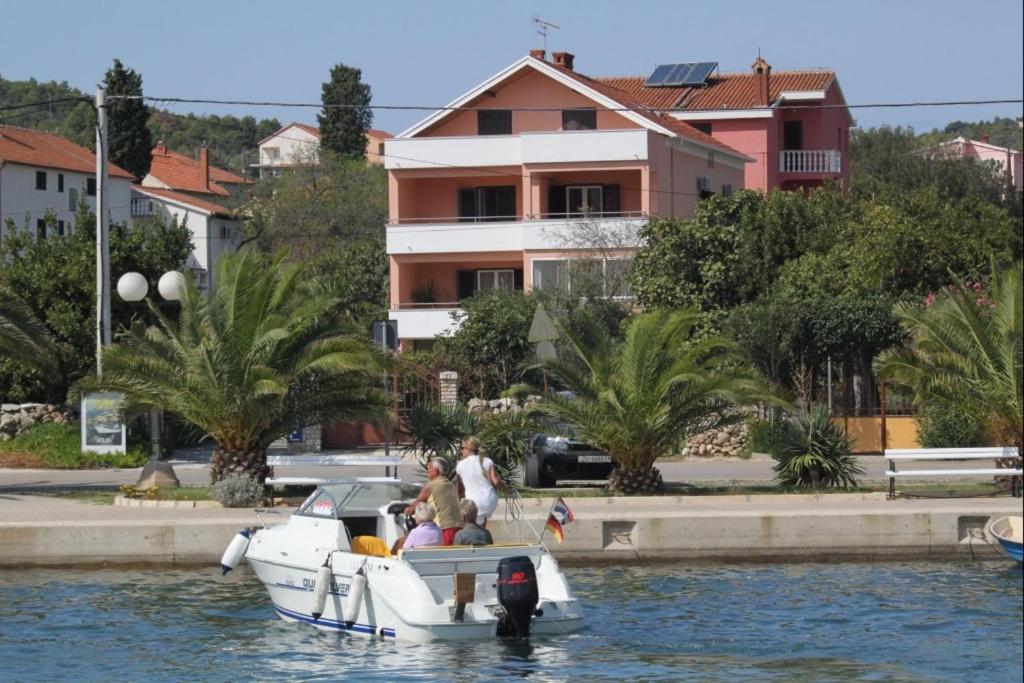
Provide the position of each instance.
(814, 622)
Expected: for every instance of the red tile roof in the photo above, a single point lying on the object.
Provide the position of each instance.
(312, 130)
(183, 173)
(680, 128)
(723, 91)
(36, 148)
(377, 133)
(209, 207)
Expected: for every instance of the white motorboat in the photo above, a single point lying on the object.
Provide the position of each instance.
(329, 565)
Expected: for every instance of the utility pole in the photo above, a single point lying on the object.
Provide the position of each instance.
(102, 233)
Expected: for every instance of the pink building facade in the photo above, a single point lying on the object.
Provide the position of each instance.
(793, 124)
(1009, 160)
(496, 190)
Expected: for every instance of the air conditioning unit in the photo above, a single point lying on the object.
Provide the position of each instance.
(704, 183)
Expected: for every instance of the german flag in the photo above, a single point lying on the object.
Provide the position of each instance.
(555, 527)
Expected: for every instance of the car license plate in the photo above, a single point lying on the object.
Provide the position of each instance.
(594, 458)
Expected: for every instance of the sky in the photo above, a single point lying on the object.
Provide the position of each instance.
(428, 53)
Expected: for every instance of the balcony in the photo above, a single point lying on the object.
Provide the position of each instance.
(424, 321)
(516, 233)
(810, 161)
(142, 206)
(516, 150)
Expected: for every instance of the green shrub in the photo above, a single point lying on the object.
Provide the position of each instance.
(58, 446)
(767, 436)
(941, 426)
(519, 391)
(238, 491)
(816, 453)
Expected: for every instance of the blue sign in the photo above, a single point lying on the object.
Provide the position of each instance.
(296, 435)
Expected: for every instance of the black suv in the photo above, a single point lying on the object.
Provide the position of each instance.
(554, 458)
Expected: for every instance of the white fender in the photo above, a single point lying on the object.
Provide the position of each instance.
(235, 551)
(323, 584)
(354, 600)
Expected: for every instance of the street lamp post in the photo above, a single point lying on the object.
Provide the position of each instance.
(133, 287)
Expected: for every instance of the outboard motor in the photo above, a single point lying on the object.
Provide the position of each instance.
(517, 594)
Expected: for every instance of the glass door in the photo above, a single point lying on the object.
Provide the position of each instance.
(584, 200)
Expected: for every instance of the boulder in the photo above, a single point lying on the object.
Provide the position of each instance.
(10, 408)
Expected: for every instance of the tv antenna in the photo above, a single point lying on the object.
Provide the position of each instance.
(542, 29)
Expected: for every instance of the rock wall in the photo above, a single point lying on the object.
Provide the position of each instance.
(500, 405)
(731, 442)
(15, 417)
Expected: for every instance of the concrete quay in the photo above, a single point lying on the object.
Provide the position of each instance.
(49, 531)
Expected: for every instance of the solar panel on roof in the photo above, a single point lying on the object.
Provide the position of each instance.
(699, 73)
(689, 73)
(659, 74)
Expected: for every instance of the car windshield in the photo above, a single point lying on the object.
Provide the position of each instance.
(358, 495)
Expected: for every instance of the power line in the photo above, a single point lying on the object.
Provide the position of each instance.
(11, 107)
(637, 109)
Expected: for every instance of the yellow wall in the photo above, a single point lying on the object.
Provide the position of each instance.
(900, 432)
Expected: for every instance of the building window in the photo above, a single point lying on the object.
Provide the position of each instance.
(504, 279)
(227, 232)
(584, 200)
(494, 122)
(40, 180)
(72, 199)
(60, 182)
(199, 277)
(60, 228)
(616, 278)
(273, 154)
(380, 151)
(579, 119)
(551, 274)
(494, 203)
(41, 229)
(90, 187)
(605, 277)
(793, 135)
(703, 127)
(726, 190)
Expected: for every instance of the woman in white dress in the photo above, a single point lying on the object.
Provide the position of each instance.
(478, 480)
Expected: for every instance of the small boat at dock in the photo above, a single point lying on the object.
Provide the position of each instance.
(1008, 531)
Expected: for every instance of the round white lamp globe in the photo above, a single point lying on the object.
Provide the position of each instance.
(132, 287)
(170, 285)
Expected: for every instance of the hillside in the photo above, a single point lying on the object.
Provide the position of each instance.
(232, 140)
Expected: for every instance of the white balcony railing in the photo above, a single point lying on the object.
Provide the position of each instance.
(424, 321)
(143, 206)
(810, 161)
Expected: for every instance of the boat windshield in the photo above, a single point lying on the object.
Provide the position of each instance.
(329, 499)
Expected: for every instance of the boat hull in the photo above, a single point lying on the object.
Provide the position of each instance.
(1008, 533)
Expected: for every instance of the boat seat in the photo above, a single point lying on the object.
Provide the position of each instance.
(370, 545)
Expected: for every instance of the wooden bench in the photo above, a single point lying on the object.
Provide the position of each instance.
(894, 455)
(333, 460)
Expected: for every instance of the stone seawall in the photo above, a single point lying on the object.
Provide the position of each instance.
(621, 530)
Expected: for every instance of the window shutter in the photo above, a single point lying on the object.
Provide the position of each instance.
(467, 204)
(466, 283)
(505, 201)
(612, 202)
(556, 200)
(519, 281)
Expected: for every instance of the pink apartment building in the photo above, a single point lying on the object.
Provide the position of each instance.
(793, 124)
(486, 192)
(1011, 161)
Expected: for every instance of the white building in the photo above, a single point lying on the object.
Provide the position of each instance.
(42, 172)
(299, 143)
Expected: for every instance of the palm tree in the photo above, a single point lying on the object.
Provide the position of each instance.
(816, 453)
(967, 353)
(264, 353)
(638, 398)
(22, 335)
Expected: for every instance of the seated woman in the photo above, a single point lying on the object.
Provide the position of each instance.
(426, 532)
(471, 533)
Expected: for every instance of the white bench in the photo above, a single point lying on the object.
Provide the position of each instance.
(327, 459)
(894, 455)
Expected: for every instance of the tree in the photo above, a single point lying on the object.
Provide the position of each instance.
(816, 452)
(263, 354)
(129, 145)
(22, 336)
(639, 398)
(346, 115)
(57, 279)
(967, 353)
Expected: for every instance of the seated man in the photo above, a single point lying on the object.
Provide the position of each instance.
(471, 533)
(426, 532)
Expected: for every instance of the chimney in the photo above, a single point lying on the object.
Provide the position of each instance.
(204, 167)
(537, 54)
(984, 138)
(563, 59)
(762, 72)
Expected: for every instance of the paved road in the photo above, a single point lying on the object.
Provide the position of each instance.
(193, 469)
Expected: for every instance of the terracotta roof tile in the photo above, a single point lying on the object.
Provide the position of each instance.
(377, 133)
(623, 97)
(209, 207)
(182, 173)
(724, 91)
(36, 148)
